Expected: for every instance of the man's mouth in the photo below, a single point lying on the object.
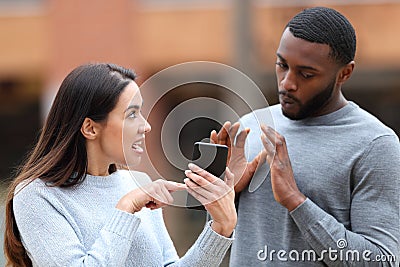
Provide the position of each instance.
(287, 100)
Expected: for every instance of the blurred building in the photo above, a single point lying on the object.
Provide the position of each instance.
(41, 41)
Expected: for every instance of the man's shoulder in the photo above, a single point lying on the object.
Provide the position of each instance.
(363, 119)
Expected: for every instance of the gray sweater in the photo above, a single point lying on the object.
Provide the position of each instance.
(80, 226)
(347, 163)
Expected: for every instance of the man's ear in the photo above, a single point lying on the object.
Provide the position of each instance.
(346, 72)
(89, 129)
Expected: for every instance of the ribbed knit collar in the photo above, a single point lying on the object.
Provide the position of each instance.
(325, 119)
(102, 181)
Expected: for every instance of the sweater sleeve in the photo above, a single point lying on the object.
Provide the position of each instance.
(208, 250)
(374, 236)
(51, 240)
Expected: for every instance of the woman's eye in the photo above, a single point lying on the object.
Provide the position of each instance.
(132, 114)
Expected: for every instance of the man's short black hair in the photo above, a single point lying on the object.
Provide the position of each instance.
(326, 26)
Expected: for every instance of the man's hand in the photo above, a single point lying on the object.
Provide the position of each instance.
(237, 163)
(283, 183)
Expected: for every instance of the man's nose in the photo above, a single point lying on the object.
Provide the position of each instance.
(289, 82)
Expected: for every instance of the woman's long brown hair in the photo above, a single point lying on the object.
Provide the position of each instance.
(59, 157)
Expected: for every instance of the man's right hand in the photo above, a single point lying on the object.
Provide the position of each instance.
(237, 162)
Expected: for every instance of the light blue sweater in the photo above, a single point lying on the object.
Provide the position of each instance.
(80, 226)
(348, 165)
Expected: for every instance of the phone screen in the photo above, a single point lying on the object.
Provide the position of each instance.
(212, 158)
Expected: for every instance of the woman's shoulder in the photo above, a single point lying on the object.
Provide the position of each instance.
(32, 195)
(30, 186)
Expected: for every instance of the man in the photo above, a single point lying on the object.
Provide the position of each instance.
(331, 195)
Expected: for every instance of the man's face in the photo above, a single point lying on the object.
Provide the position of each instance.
(307, 78)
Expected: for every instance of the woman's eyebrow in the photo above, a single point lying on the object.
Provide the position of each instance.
(132, 107)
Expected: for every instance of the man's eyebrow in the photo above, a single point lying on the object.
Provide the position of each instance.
(280, 57)
(298, 66)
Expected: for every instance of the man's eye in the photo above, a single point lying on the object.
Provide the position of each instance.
(281, 65)
(307, 75)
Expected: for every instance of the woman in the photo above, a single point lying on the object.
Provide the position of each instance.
(70, 206)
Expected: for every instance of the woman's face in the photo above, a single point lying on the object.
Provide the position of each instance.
(122, 135)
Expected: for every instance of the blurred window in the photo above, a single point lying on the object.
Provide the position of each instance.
(325, 2)
(20, 1)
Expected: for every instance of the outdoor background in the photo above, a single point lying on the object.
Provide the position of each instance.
(41, 41)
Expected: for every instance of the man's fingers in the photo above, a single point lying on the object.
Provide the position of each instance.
(269, 147)
(229, 178)
(257, 161)
(214, 137)
(277, 141)
(222, 136)
(233, 131)
(241, 138)
(269, 133)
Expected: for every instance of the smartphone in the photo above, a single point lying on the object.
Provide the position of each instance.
(212, 158)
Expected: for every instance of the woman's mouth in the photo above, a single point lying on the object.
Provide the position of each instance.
(138, 147)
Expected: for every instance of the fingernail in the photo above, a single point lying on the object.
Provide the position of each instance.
(187, 172)
(191, 165)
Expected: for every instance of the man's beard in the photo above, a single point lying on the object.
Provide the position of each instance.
(313, 105)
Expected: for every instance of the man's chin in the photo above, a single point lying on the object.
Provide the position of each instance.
(292, 115)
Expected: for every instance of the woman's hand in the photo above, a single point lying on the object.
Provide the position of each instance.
(217, 196)
(154, 195)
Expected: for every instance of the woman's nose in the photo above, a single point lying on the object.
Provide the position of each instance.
(147, 126)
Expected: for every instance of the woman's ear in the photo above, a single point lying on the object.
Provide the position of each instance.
(89, 129)
(346, 72)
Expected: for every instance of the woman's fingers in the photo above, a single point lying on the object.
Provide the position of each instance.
(206, 187)
(196, 191)
(198, 174)
(174, 186)
(203, 178)
(162, 190)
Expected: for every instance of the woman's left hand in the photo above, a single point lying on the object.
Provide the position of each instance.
(217, 196)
